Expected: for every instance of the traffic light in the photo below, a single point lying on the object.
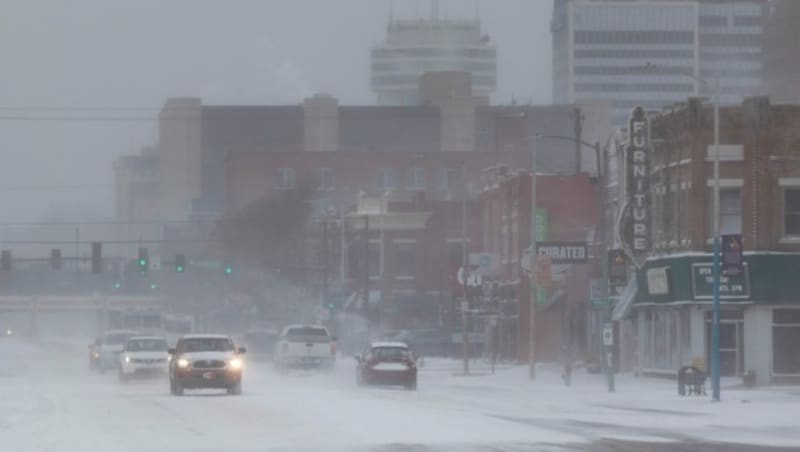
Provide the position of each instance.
(55, 259)
(117, 285)
(6, 261)
(97, 257)
(144, 262)
(180, 263)
(227, 268)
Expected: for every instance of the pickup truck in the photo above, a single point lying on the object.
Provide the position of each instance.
(305, 346)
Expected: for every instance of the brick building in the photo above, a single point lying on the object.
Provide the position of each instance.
(198, 143)
(566, 211)
(413, 252)
(759, 199)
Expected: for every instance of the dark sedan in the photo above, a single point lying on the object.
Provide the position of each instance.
(387, 363)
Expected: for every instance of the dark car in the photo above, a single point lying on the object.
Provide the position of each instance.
(205, 361)
(429, 342)
(387, 363)
(260, 343)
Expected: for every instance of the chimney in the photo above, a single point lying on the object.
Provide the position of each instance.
(321, 124)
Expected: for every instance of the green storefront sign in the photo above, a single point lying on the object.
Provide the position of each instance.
(769, 278)
(730, 287)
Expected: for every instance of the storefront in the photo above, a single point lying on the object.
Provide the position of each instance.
(759, 322)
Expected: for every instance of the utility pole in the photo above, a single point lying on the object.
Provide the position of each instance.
(534, 257)
(325, 293)
(715, 345)
(464, 265)
(366, 275)
(604, 291)
(578, 139)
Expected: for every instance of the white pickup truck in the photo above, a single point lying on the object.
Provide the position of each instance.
(305, 346)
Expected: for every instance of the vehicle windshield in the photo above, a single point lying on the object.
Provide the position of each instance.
(146, 345)
(206, 344)
(116, 339)
(307, 334)
(390, 353)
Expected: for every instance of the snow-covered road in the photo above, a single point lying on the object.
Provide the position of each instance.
(49, 401)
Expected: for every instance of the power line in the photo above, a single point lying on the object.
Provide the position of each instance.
(109, 222)
(54, 187)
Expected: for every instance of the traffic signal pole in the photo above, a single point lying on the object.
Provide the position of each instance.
(325, 266)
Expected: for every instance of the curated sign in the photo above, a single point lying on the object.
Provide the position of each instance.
(564, 252)
(730, 287)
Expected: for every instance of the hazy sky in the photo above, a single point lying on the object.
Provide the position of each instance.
(133, 54)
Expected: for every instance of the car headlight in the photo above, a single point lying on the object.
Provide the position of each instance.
(182, 363)
(235, 364)
(96, 354)
(127, 359)
(8, 332)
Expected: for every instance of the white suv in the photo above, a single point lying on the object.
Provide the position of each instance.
(143, 355)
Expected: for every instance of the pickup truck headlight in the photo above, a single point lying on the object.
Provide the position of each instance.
(183, 363)
(127, 359)
(235, 364)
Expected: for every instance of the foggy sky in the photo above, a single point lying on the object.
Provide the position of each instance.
(135, 54)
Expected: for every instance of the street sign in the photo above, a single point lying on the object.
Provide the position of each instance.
(608, 334)
(544, 271)
(730, 287)
(617, 267)
(488, 263)
(732, 258)
(602, 302)
(564, 252)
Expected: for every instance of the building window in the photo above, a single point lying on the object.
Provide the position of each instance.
(730, 211)
(323, 179)
(416, 179)
(455, 253)
(285, 179)
(447, 180)
(791, 211)
(405, 259)
(785, 337)
(385, 179)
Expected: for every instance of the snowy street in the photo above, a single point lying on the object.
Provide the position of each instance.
(50, 401)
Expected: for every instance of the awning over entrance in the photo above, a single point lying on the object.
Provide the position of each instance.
(625, 301)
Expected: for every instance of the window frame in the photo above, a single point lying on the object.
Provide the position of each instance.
(285, 175)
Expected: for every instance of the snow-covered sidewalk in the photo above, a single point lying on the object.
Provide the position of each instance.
(641, 408)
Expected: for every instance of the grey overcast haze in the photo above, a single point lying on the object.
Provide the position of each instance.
(132, 55)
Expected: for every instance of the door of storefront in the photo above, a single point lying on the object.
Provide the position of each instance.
(731, 343)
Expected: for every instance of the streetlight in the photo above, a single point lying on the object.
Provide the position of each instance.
(715, 333)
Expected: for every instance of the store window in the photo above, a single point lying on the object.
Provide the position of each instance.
(785, 340)
(664, 336)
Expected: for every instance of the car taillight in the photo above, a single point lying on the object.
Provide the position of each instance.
(285, 348)
(333, 349)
